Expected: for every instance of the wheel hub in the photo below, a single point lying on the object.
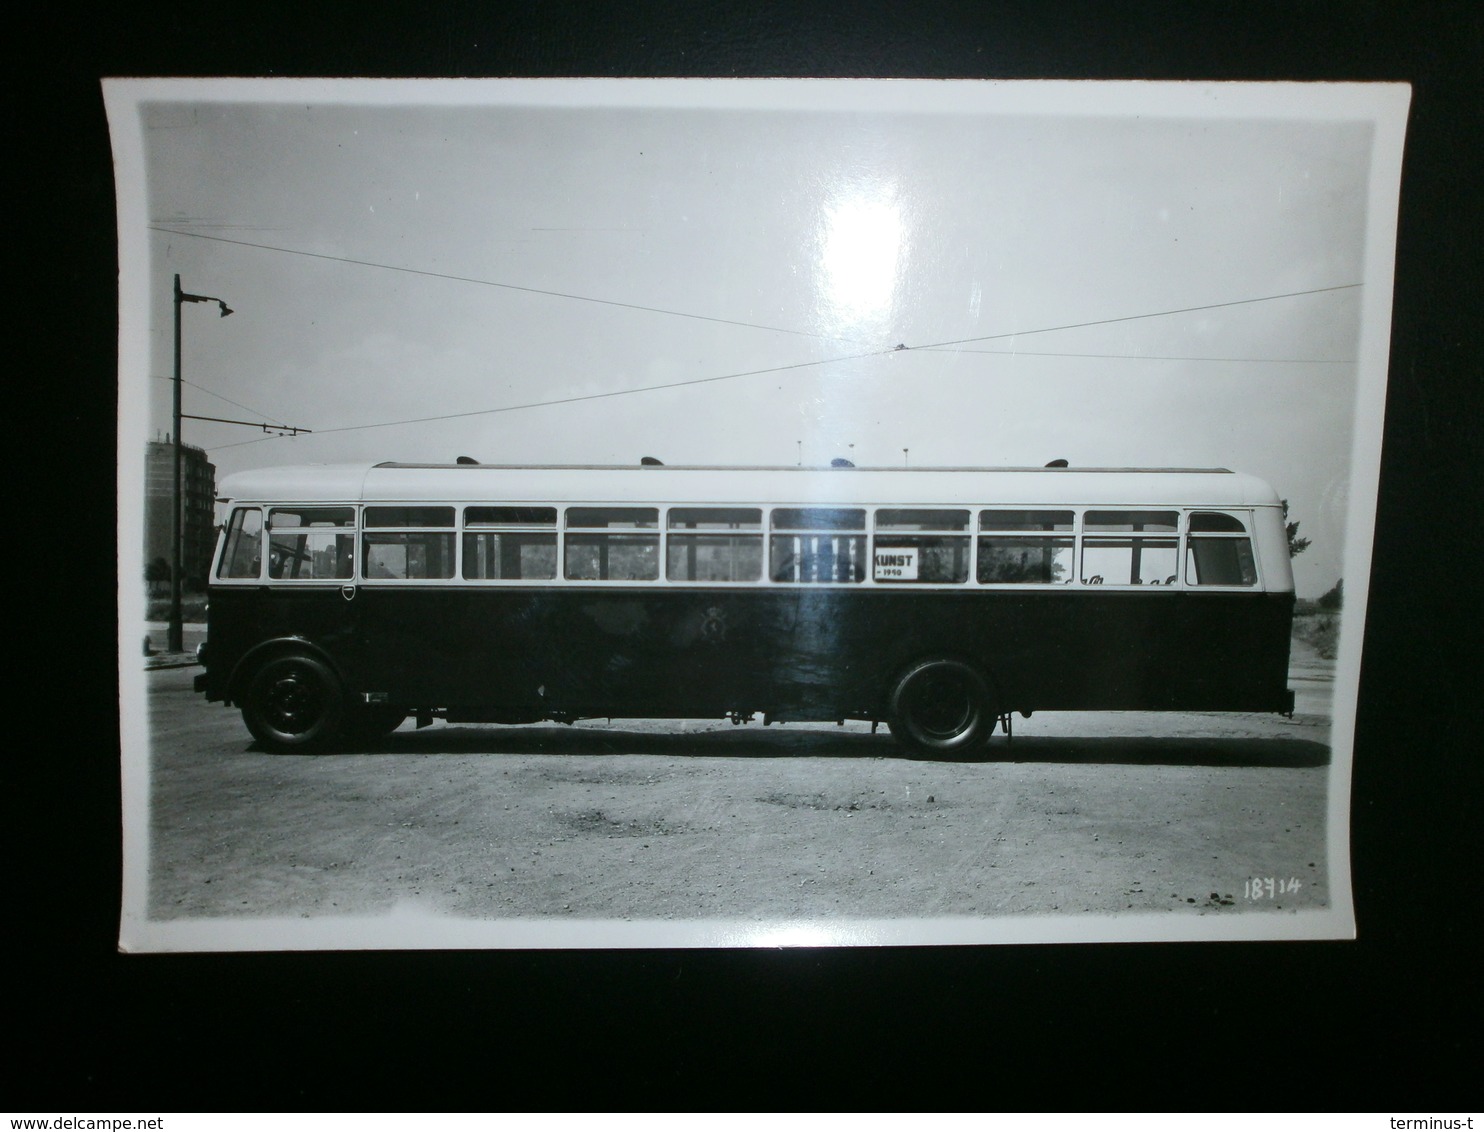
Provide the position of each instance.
(292, 704)
(942, 706)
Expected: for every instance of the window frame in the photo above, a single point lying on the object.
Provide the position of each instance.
(518, 527)
(350, 531)
(636, 533)
(860, 535)
(1248, 534)
(672, 535)
(367, 529)
(217, 576)
(918, 537)
(1166, 534)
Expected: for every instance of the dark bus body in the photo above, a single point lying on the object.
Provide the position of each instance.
(941, 654)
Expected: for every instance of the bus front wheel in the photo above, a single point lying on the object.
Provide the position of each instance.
(294, 703)
(941, 707)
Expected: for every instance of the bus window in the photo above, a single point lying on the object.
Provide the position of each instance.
(611, 552)
(921, 519)
(1131, 521)
(1218, 553)
(930, 554)
(799, 552)
(606, 518)
(1004, 520)
(1009, 554)
(1024, 561)
(507, 518)
(1129, 561)
(714, 544)
(242, 556)
(510, 542)
(310, 543)
(1215, 555)
(421, 549)
(1133, 561)
(1215, 521)
(394, 517)
(281, 517)
(1220, 562)
(405, 554)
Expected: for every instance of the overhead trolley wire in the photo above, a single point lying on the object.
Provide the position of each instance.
(502, 286)
(612, 392)
(946, 345)
(902, 348)
(220, 397)
(1142, 357)
(1135, 317)
(822, 362)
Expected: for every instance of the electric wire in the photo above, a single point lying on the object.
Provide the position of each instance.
(221, 397)
(1135, 317)
(1139, 357)
(820, 362)
(942, 346)
(502, 286)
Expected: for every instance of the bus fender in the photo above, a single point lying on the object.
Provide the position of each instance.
(276, 647)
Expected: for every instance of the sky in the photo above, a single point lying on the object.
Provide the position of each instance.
(723, 274)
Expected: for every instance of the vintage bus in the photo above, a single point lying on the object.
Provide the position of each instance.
(344, 599)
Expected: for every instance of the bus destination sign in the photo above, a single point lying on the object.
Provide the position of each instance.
(900, 562)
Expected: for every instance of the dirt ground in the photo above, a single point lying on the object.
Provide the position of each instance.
(1107, 812)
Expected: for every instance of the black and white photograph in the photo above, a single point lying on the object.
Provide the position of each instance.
(615, 513)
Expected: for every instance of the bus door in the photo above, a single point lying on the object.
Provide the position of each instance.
(310, 557)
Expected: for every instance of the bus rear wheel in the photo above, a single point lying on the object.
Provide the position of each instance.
(941, 707)
(294, 703)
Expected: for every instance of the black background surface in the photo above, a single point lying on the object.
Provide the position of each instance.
(1388, 1022)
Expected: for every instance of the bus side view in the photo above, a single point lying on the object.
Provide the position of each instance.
(344, 599)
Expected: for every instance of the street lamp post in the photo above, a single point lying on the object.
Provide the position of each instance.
(176, 642)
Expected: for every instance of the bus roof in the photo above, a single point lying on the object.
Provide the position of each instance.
(352, 483)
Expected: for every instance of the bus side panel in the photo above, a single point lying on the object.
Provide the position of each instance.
(562, 650)
(698, 653)
(1133, 650)
(794, 652)
(830, 653)
(1043, 650)
(438, 647)
(1235, 650)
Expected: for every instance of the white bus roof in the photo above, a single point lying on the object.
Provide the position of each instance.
(391, 482)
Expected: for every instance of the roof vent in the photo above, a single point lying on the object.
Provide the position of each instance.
(841, 462)
(466, 460)
(651, 462)
(1057, 464)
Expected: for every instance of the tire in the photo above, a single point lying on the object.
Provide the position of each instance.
(942, 707)
(294, 703)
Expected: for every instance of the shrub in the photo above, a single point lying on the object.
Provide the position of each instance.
(1335, 598)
